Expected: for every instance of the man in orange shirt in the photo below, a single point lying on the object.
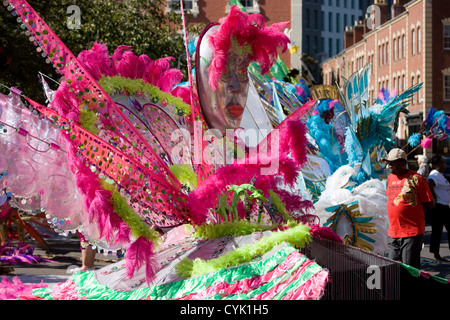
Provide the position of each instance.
(408, 198)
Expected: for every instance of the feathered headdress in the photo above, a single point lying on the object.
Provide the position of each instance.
(242, 32)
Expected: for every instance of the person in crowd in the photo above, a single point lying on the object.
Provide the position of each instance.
(408, 198)
(424, 167)
(440, 214)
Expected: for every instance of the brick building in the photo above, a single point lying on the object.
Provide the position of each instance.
(411, 47)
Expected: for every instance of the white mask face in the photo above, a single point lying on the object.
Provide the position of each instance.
(223, 108)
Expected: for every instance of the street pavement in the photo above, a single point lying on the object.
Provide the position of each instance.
(67, 255)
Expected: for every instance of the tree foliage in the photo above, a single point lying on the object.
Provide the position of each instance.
(142, 24)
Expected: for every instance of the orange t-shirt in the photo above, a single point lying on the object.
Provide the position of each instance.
(406, 194)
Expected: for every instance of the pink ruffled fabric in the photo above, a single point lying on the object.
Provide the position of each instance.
(313, 289)
(16, 289)
(268, 295)
(246, 284)
(66, 291)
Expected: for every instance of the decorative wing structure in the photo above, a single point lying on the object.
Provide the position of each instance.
(355, 95)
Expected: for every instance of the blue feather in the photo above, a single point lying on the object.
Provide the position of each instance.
(414, 140)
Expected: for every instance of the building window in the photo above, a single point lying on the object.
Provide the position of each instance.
(189, 5)
(386, 60)
(330, 47)
(251, 6)
(373, 58)
(403, 83)
(412, 83)
(379, 56)
(247, 3)
(307, 19)
(403, 45)
(447, 36)
(316, 19)
(413, 42)
(419, 39)
(338, 22)
(394, 49)
(447, 87)
(175, 5)
(330, 21)
(322, 20)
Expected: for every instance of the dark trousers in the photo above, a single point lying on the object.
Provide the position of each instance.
(440, 218)
(406, 250)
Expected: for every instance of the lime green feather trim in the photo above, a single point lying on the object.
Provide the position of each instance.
(89, 120)
(279, 205)
(132, 86)
(297, 236)
(234, 228)
(184, 174)
(136, 224)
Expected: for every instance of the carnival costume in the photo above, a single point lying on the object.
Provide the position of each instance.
(133, 187)
(200, 217)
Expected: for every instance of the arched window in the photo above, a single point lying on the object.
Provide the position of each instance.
(403, 45)
(394, 49)
(419, 39)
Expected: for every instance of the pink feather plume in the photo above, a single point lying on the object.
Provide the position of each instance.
(426, 143)
(249, 30)
(138, 254)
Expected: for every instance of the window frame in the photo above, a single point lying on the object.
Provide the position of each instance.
(419, 40)
(445, 93)
(444, 37)
(250, 9)
(194, 11)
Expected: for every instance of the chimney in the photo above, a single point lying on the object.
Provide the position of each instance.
(384, 10)
(398, 7)
(358, 31)
(348, 37)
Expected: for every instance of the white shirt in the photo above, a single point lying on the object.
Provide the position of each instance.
(441, 188)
